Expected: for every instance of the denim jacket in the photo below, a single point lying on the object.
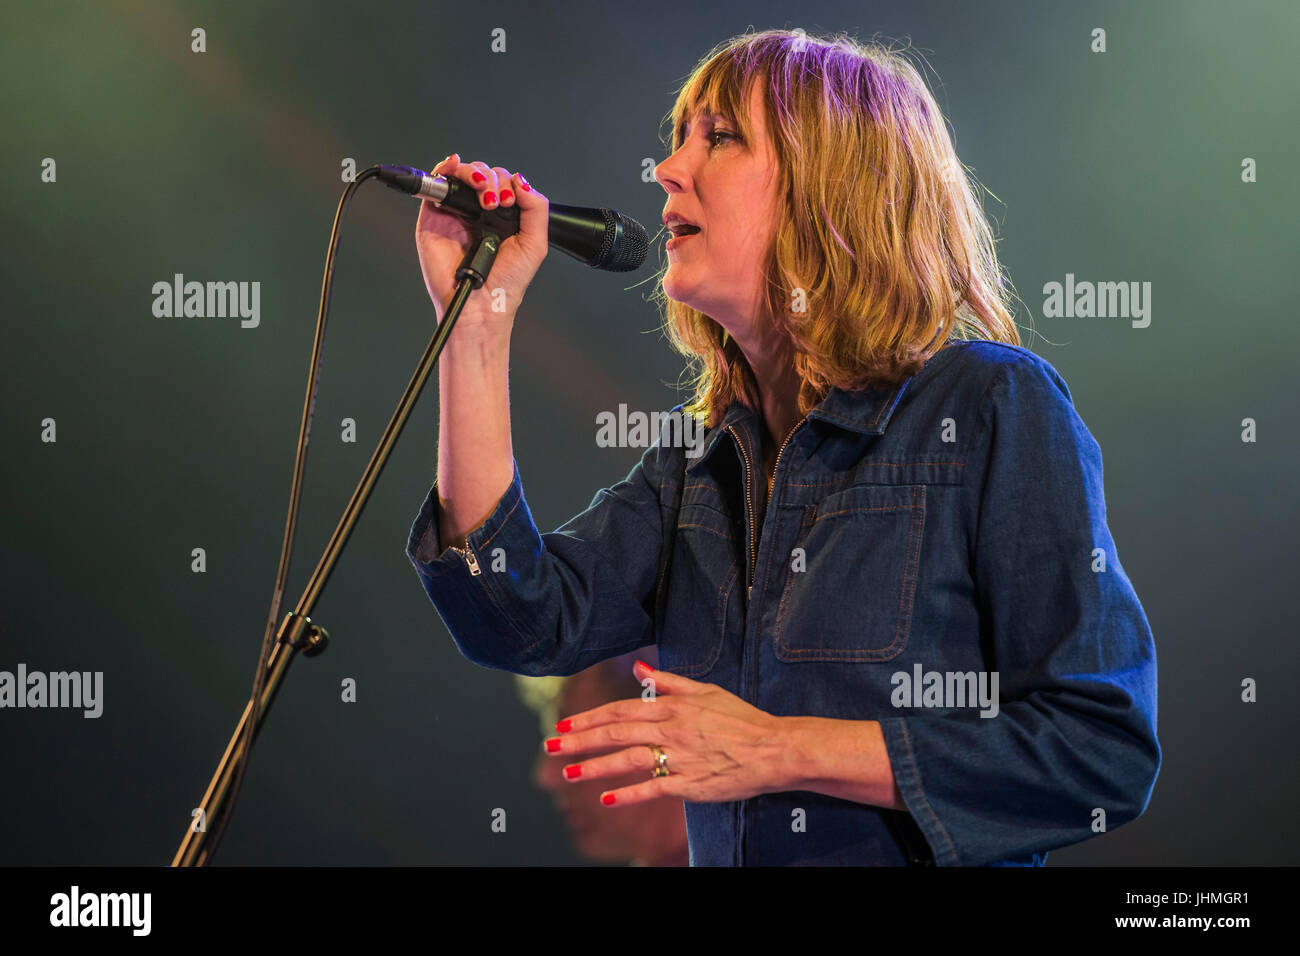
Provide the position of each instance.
(923, 543)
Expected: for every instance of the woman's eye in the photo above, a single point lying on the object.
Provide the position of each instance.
(720, 132)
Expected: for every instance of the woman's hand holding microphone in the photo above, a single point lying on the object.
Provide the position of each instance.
(442, 240)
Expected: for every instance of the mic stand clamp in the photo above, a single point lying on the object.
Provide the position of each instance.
(302, 635)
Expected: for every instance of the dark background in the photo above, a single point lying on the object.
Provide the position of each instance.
(179, 433)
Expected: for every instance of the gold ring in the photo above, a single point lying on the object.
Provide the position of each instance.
(661, 761)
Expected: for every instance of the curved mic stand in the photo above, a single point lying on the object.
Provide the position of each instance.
(297, 632)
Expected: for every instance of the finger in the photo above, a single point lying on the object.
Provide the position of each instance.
(484, 179)
(656, 682)
(506, 184)
(623, 733)
(624, 762)
(613, 712)
(666, 682)
(447, 168)
(652, 789)
(474, 174)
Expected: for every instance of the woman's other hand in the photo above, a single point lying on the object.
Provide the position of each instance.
(718, 747)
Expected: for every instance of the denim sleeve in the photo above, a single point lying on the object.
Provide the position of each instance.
(1076, 729)
(555, 603)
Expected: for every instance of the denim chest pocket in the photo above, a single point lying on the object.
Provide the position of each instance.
(700, 597)
(849, 591)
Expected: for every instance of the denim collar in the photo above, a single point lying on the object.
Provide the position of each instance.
(866, 412)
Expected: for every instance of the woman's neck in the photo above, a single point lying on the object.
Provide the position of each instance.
(772, 362)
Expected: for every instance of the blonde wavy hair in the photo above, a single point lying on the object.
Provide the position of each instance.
(878, 224)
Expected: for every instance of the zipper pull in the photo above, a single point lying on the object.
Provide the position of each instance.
(750, 594)
(471, 560)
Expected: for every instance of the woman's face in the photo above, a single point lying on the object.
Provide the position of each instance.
(727, 187)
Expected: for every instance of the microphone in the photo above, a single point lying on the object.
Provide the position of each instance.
(600, 238)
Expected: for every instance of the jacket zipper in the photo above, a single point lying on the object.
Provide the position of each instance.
(777, 464)
(749, 509)
(468, 554)
(749, 505)
(753, 562)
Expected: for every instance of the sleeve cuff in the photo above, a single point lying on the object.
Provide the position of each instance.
(902, 760)
(465, 596)
(423, 541)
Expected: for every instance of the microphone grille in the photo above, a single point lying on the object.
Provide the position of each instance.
(624, 245)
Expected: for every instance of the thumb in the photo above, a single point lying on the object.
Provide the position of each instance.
(534, 216)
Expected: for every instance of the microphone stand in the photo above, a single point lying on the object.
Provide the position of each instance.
(297, 632)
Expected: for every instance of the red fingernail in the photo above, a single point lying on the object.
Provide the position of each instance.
(564, 726)
(607, 799)
(523, 182)
(489, 198)
(574, 772)
(646, 666)
(553, 745)
(506, 194)
(526, 188)
(478, 177)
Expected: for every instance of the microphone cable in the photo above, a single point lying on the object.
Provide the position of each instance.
(217, 828)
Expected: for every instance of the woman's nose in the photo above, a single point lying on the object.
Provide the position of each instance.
(671, 175)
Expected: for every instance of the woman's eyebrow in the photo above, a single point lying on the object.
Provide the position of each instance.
(686, 123)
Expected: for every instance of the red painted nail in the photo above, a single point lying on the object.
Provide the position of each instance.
(489, 198)
(646, 666)
(526, 188)
(564, 726)
(553, 745)
(478, 177)
(607, 799)
(506, 194)
(574, 772)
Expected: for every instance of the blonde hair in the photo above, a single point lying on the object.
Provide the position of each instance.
(878, 222)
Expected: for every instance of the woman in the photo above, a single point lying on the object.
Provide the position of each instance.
(891, 619)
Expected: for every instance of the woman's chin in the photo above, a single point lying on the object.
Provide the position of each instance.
(679, 291)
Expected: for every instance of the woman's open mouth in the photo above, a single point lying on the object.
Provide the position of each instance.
(681, 233)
